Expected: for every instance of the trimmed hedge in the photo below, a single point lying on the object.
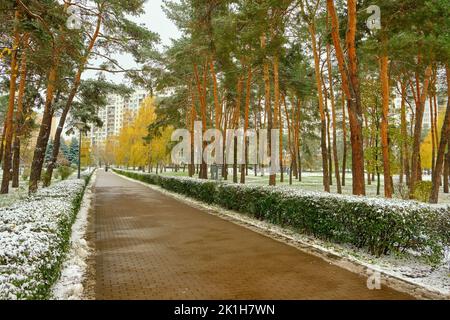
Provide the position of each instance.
(35, 237)
(379, 225)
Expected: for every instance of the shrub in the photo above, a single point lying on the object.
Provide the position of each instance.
(422, 191)
(26, 173)
(35, 235)
(379, 225)
(402, 191)
(64, 172)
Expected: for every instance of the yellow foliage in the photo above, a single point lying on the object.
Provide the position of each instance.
(159, 147)
(131, 149)
(427, 145)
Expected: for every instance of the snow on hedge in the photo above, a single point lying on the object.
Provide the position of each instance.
(34, 236)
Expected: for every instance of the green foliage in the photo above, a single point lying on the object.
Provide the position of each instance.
(380, 226)
(73, 151)
(49, 151)
(422, 191)
(26, 173)
(64, 172)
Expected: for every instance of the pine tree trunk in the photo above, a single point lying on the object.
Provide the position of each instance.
(268, 107)
(344, 141)
(323, 131)
(433, 144)
(436, 179)
(405, 135)
(445, 140)
(244, 167)
(385, 92)
(333, 116)
(19, 114)
(237, 113)
(7, 157)
(447, 168)
(202, 98)
(350, 85)
(415, 165)
(68, 105)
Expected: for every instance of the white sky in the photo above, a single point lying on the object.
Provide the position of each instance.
(156, 21)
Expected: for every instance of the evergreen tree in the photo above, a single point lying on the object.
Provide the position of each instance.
(73, 151)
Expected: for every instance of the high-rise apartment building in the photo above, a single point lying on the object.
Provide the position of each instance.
(115, 114)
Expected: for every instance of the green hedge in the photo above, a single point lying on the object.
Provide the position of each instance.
(379, 225)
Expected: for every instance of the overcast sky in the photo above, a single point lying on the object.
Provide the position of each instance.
(156, 21)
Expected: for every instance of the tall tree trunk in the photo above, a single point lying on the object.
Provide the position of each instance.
(2, 145)
(323, 131)
(19, 114)
(237, 114)
(244, 167)
(385, 92)
(10, 111)
(350, 85)
(415, 165)
(193, 116)
(68, 105)
(445, 136)
(333, 116)
(329, 145)
(405, 135)
(344, 141)
(447, 169)
(436, 179)
(433, 144)
(268, 107)
(202, 98)
(277, 112)
(217, 108)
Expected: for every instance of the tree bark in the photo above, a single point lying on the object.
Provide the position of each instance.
(350, 85)
(415, 164)
(19, 115)
(323, 131)
(405, 135)
(268, 107)
(68, 105)
(244, 167)
(436, 179)
(333, 116)
(344, 141)
(385, 92)
(10, 111)
(445, 137)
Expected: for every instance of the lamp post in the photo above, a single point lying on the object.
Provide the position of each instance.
(80, 127)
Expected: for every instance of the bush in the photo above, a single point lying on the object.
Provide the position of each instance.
(35, 236)
(422, 191)
(402, 191)
(26, 174)
(64, 172)
(381, 226)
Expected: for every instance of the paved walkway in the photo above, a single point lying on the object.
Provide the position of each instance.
(150, 246)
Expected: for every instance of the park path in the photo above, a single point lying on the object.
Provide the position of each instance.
(151, 246)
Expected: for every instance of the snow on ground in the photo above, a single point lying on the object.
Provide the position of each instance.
(407, 268)
(313, 181)
(32, 239)
(70, 284)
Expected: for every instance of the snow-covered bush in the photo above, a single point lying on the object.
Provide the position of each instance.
(34, 236)
(379, 225)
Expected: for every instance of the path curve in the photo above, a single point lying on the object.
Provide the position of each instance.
(151, 246)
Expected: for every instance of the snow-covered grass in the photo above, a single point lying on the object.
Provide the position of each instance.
(34, 237)
(313, 181)
(17, 194)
